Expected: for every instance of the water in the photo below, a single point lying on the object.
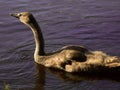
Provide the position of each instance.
(92, 23)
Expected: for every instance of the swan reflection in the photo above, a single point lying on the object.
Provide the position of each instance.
(73, 77)
(40, 77)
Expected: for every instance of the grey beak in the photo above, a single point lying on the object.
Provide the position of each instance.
(15, 15)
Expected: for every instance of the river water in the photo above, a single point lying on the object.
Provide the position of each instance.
(92, 23)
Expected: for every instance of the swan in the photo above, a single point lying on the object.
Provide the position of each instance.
(70, 58)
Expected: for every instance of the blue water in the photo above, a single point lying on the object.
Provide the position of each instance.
(92, 23)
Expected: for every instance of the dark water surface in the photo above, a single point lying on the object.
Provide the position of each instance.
(92, 23)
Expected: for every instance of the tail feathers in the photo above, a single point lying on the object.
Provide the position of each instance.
(113, 61)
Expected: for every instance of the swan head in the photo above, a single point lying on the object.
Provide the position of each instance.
(24, 17)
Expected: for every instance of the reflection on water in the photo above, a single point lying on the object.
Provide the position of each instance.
(40, 72)
(93, 23)
(71, 78)
(77, 77)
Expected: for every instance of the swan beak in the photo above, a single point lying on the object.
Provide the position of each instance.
(15, 15)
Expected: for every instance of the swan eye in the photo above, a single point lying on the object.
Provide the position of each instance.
(19, 14)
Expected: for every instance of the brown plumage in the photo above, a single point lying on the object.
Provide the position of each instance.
(69, 58)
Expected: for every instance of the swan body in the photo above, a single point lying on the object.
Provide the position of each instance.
(69, 58)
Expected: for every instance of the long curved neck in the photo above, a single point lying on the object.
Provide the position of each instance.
(39, 50)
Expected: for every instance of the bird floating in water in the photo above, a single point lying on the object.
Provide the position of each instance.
(70, 58)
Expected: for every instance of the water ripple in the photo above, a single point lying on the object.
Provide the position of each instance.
(92, 23)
